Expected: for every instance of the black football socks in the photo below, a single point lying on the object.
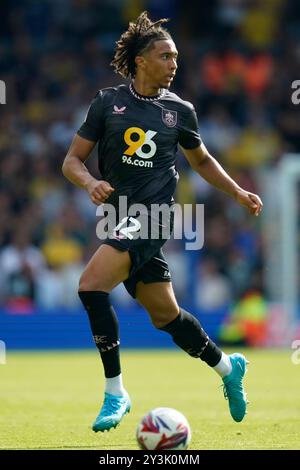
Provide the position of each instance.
(105, 329)
(189, 335)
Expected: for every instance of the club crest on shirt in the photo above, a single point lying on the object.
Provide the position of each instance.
(169, 118)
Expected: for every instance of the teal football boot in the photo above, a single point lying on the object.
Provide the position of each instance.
(233, 387)
(112, 412)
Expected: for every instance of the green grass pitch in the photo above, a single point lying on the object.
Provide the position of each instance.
(48, 400)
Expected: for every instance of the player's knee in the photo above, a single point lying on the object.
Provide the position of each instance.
(158, 323)
(89, 282)
(86, 283)
(160, 319)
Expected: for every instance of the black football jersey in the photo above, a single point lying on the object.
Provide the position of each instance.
(138, 138)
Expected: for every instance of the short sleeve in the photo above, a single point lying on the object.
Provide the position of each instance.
(92, 128)
(189, 137)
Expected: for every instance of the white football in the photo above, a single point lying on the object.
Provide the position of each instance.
(163, 428)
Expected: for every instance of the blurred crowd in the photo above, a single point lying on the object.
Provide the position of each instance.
(237, 61)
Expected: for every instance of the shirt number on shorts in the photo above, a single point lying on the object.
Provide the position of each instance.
(127, 231)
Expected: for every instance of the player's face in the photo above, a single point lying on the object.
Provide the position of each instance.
(160, 63)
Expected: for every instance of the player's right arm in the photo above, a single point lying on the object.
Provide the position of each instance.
(75, 170)
(82, 145)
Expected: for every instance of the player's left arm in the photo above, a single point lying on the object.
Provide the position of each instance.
(207, 166)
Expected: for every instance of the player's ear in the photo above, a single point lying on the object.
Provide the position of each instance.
(140, 61)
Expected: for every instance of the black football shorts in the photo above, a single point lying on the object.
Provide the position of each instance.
(143, 237)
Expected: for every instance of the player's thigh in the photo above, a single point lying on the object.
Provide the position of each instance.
(105, 270)
(159, 300)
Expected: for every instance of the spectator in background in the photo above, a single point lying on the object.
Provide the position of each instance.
(20, 265)
(214, 288)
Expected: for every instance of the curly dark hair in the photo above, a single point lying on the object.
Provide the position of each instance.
(138, 38)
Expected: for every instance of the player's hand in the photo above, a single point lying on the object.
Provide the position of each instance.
(249, 200)
(99, 191)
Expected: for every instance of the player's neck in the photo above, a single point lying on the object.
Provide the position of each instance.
(145, 89)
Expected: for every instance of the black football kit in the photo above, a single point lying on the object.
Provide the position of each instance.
(138, 138)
